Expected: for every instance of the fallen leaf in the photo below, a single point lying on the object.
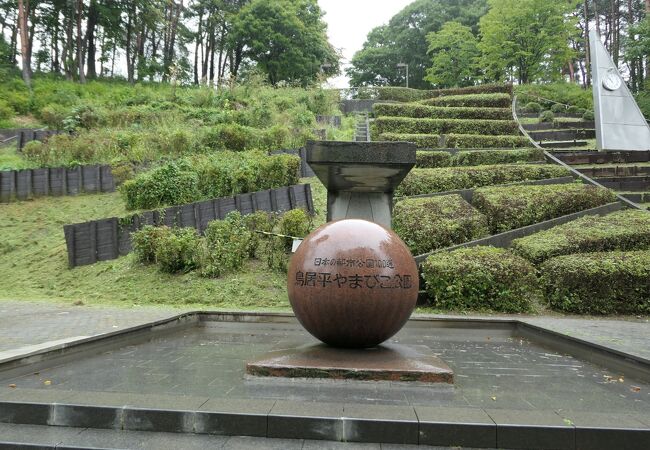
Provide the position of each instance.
(621, 379)
(635, 388)
(47, 382)
(494, 399)
(12, 385)
(568, 422)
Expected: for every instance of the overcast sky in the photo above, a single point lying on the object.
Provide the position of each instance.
(349, 22)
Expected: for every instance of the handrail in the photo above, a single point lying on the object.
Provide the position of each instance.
(573, 171)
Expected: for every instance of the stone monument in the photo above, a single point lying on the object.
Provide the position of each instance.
(620, 124)
(353, 283)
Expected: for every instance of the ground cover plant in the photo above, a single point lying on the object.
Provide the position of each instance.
(212, 176)
(510, 207)
(481, 278)
(408, 125)
(427, 181)
(497, 100)
(598, 283)
(624, 230)
(467, 141)
(427, 224)
(437, 112)
(406, 95)
(433, 159)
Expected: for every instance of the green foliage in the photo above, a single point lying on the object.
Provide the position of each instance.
(176, 251)
(219, 175)
(6, 111)
(427, 224)
(407, 95)
(533, 107)
(558, 108)
(454, 51)
(598, 283)
(526, 39)
(427, 181)
(546, 94)
(510, 207)
(480, 278)
(296, 223)
(171, 184)
(408, 125)
(147, 240)
(588, 116)
(287, 39)
(403, 40)
(458, 140)
(485, 157)
(226, 247)
(432, 159)
(437, 112)
(624, 230)
(494, 100)
(53, 116)
(259, 221)
(547, 116)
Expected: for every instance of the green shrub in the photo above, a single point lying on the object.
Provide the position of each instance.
(232, 136)
(575, 110)
(472, 100)
(275, 249)
(547, 116)
(296, 223)
(402, 94)
(567, 93)
(147, 240)
(407, 125)
(226, 247)
(624, 230)
(436, 112)
(427, 224)
(427, 181)
(177, 251)
(510, 207)
(433, 159)
(171, 184)
(598, 283)
(54, 115)
(558, 108)
(481, 157)
(38, 152)
(588, 116)
(482, 141)
(259, 221)
(533, 107)
(480, 278)
(6, 111)
(458, 140)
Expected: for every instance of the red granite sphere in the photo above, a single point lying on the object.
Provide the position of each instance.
(353, 283)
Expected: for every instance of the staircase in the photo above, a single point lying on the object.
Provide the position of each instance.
(362, 133)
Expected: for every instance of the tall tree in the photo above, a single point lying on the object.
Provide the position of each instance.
(287, 39)
(526, 39)
(454, 51)
(403, 40)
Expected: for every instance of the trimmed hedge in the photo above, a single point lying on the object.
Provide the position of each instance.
(427, 181)
(402, 94)
(511, 207)
(481, 157)
(408, 125)
(481, 141)
(598, 283)
(458, 140)
(480, 278)
(623, 230)
(219, 175)
(438, 112)
(427, 224)
(497, 100)
(433, 159)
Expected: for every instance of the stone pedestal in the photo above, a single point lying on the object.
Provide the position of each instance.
(388, 362)
(360, 177)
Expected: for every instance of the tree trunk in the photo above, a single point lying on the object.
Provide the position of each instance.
(129, 39)
(23, 12)
(93, 17)
(587, 77)
(80, 52)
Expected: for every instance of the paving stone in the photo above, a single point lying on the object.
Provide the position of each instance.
(250, 443)
(462, 427)
(37, 435)
(373, 423)
(599, 431)
(306, 420)
(532, 430)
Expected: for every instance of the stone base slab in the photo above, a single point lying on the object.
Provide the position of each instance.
(390, 362)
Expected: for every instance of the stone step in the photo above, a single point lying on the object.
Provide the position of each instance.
(615, 171)
(562, 135)
(636, 197)
(560, 125)
(633, 184)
